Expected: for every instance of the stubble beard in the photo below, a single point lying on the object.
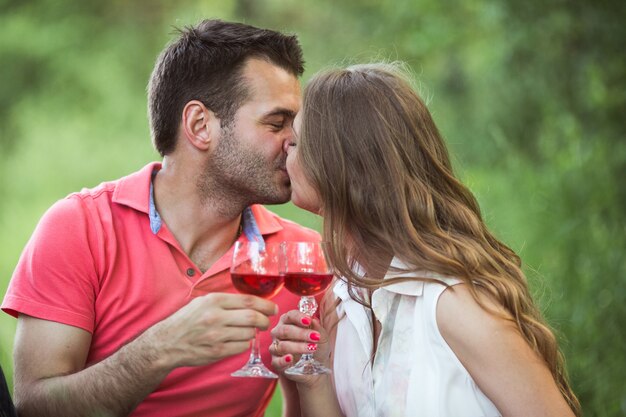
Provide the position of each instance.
(235, 177)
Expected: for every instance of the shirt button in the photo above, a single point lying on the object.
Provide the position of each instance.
(191, 272)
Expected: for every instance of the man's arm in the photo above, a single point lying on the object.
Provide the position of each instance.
(50, 378)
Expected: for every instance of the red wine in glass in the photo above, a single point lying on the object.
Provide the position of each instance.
(265, 286)
(307, 273)
(307, 283)
(256, 270)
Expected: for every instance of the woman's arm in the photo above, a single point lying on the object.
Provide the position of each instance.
(501, 362)
(310, 395)
(291, 402)
(319, 400)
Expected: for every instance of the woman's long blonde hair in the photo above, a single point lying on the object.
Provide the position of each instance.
(370, 147)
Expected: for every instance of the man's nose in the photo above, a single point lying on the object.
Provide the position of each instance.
(286, 145)
(290, 133)
(288, 138)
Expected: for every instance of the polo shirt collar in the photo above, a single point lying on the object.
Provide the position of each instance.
(266, 222)
(134, 190)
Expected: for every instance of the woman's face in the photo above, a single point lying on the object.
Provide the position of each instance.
(303, 194)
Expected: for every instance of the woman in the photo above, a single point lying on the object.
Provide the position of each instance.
(432, 315)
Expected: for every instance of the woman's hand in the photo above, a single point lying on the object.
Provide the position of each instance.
(294, 335)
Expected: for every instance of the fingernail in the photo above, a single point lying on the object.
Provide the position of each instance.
(276, 309)
(314, 336)
(288, 358)
(306, 321)
(312, 347)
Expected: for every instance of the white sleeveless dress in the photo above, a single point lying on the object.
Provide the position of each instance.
(415, 373)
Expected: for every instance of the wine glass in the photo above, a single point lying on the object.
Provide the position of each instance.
(255, 270)
(307, 273)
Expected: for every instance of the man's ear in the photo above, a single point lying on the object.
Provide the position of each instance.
(200, 125)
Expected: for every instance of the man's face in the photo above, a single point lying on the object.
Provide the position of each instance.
(249, 159)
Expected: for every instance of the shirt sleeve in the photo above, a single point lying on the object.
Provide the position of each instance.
(56, 277)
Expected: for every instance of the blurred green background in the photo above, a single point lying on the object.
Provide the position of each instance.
(529, 94)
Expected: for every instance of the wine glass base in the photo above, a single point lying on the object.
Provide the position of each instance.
(255, 371)
(307, 368)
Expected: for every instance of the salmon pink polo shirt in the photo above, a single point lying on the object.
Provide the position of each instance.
(101, 261)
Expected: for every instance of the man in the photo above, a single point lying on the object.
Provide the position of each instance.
(123, 293)
(6, 405)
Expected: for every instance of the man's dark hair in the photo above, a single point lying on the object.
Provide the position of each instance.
(206, 63)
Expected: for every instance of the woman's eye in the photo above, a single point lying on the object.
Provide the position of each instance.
(277, 126)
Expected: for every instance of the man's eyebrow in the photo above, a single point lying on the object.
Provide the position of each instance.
(280, 112)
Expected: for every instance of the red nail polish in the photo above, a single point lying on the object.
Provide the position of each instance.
(312, 347)
(314, 336)
(288, 358)
(306, 321)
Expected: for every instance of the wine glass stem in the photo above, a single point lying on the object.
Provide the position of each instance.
(308, 306)
(254, 349)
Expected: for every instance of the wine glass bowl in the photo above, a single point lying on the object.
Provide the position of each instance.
(306, 273)
(307, 283)
(255, 270)
(265, 286)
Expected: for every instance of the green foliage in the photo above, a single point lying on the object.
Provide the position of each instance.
(530, 96)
